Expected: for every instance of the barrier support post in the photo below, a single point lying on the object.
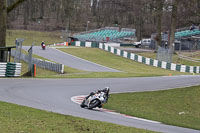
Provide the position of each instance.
(34, 70)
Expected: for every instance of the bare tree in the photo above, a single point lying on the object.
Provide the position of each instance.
(3, 18)
(159, 15)
(173, 23)
(146, 16)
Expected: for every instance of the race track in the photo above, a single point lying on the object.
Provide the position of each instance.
(69, 60)
(55, 95)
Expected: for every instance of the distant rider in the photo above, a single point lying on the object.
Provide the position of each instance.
(42, 43)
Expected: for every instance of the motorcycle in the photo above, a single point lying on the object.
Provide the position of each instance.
(43, 46)
(96, 100)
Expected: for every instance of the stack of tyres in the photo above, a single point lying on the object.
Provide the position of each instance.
(3, 69)
(13, 69)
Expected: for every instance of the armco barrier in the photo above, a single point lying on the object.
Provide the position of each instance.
(10, 69)
(141, 59)
(42, 63)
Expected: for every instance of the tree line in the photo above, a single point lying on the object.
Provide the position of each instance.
(146, 16)
(74, 14)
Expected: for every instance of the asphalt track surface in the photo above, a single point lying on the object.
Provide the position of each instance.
(55, 95)
(69, 60)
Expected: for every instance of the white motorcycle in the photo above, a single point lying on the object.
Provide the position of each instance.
(96, 100)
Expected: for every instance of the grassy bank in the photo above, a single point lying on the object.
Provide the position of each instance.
(32, 36)
(180, 107)
(128, 67)
(19, 119)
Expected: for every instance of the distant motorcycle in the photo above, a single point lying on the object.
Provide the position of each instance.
(96, 100)
(43, 46)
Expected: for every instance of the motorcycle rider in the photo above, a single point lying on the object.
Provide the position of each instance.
(105, 90)
(105, 96)
(42, 43)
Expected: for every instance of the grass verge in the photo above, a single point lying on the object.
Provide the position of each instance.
(20, 119)
(130, 68)
(32, 36)
(180, 107)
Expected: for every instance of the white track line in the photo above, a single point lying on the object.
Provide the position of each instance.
(79, 99)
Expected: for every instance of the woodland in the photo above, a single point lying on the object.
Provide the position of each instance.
(146, 16)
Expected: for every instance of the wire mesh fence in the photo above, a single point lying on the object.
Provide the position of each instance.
(164, 54)
(41, 63)
(18, 43)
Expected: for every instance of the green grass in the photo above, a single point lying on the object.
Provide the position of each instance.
(165, 106)
(32, 36)
(20, 119)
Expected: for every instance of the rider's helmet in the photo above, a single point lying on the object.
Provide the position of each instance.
(106, 90)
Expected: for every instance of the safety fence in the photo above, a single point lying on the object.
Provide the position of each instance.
(138, 58)
(42, 63)
(10, 69)
(96, 44)
(188, 58)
